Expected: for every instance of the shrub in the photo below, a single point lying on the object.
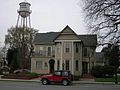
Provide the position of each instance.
(118, 71)
(103, 71)
(97, 71)
(21, 75)
(0, 71)
(109, 71)
(76, 77)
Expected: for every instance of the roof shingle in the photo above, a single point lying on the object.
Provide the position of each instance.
(88, 40)
(45, 37)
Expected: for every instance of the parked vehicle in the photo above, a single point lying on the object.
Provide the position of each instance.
(21, 71)
(61, 76)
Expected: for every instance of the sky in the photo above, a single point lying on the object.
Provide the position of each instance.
(46, 16)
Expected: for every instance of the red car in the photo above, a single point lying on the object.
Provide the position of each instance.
(61, 76)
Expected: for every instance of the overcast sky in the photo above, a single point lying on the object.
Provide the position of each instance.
(46, 16)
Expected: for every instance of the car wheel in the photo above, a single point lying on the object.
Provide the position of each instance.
(44, 81)
(65, 82)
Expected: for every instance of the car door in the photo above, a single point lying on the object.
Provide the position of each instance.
(57, 76)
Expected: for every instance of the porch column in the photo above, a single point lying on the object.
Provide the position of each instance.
(61, 61)
(72, 58)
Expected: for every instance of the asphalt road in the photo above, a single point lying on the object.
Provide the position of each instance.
(8, 85)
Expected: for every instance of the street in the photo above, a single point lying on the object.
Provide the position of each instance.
(8, 85)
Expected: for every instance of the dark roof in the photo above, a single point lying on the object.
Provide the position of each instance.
(45, 37)
(89, 39)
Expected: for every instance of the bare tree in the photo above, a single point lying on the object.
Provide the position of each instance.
(103, 18)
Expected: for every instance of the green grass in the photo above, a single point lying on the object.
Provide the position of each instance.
(107, 79)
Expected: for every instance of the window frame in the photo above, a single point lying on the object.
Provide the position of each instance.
(37, 65)
(41, 50)
(49, 53)
(67, 47)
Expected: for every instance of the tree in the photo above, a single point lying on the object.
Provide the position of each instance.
(114, 57)
(111, 54)
(21, 39)
(103, 17)
(10, 54)
(18, 37)
(12, 59)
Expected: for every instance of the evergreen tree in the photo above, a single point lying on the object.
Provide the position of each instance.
(111, 54)
(114, 57)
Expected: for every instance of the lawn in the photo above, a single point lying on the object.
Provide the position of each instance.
(107, 79)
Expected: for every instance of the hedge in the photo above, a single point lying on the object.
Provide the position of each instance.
(103, 71)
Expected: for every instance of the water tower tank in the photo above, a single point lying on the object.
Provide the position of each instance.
(24, 9)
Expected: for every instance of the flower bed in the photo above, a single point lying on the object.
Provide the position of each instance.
(20, 76)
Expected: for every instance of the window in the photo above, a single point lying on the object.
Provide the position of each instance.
(67, 47)
(58, 47)
(85, 51)
(57, 73)
(77, 65)
(65, 74)
(67, 64)
(49, 51)
(39, 64)
(58, 65)
(46, 64)
(77, 47)
(41, 51)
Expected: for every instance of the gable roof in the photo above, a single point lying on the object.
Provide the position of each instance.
(89, 39)
(45, 38)
(67, 31)
(67, 28)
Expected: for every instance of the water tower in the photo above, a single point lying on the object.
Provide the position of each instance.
(24, 15)
(23, 21)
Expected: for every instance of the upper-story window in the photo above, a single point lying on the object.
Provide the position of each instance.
(49, 51)
(67, 46)
(85, 52)
(41, 51)
(58, 45)
(77, 48)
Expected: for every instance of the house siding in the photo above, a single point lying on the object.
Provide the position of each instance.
(65, 60)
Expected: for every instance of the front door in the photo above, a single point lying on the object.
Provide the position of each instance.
(51, 64)
(84, 67)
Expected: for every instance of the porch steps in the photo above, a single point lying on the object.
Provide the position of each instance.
(87, 77)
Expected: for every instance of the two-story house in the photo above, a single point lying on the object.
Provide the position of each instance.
(63, 50)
